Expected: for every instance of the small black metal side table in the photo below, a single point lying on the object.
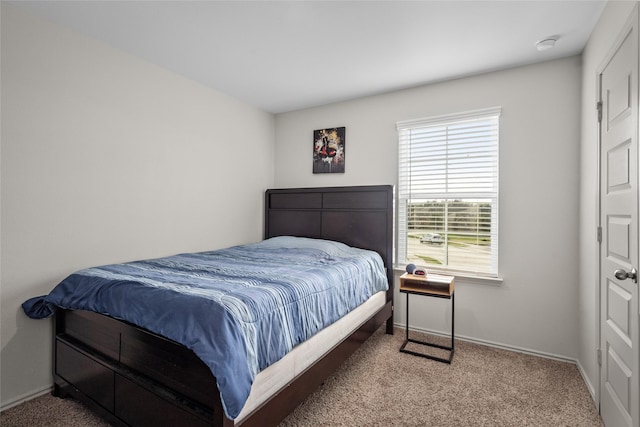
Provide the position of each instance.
(431, 285)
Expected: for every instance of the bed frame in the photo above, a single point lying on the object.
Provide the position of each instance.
(132, 377)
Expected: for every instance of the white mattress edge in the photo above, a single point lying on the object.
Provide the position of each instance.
(278, 375)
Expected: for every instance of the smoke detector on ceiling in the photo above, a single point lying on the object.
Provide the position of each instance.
(546, 44)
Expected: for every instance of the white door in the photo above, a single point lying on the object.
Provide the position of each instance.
(619, 313)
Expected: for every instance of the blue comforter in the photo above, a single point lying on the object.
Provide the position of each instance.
(239, 309)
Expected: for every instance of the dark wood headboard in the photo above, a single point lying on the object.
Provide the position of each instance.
(360, 216)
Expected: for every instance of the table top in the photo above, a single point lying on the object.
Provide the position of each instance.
(431, 284)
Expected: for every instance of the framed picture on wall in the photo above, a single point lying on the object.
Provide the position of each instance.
(328, 150)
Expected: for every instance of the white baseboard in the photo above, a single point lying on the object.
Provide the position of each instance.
(590, 387)
(23, 398)
(492, 344)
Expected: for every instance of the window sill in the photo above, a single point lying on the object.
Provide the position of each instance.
(461, 277)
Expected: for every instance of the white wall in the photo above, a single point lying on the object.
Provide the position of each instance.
(606, 32)
(535, 307)
(108, 158)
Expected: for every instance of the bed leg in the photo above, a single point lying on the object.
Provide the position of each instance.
(390, 326)
(59, 392)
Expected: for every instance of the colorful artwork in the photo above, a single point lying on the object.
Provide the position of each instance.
(328, 150)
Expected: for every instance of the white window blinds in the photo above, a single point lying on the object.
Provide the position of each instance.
(448, 192)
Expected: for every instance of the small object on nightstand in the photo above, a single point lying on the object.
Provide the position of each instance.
(433, 286)
(416, 271)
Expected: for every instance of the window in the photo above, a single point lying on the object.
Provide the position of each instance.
(448, 192)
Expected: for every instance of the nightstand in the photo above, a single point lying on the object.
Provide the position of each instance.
(431, 285)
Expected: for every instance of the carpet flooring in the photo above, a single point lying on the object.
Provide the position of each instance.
(379, 386)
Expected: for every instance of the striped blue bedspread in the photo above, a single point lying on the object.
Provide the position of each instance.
(239, 309)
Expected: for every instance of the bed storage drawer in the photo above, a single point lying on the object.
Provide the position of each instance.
(98, 332)
(137, 406)
(170, 364)
(84, 373)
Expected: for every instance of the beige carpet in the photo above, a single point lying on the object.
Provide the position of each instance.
(378, 386)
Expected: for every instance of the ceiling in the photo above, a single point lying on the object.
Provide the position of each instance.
(287, 55)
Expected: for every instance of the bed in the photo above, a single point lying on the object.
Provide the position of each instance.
(130, 375)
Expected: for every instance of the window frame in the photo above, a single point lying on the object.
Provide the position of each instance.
(404, 193)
